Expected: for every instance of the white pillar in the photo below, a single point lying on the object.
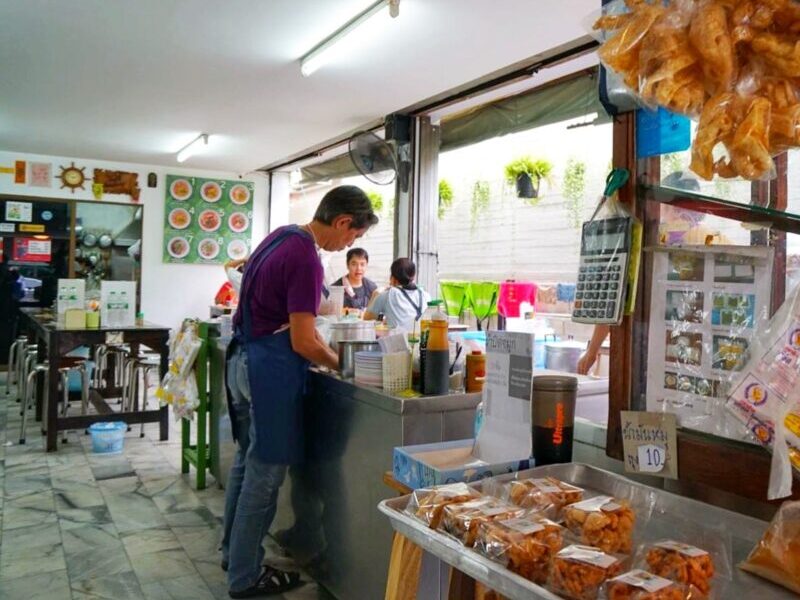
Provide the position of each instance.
(279, 200)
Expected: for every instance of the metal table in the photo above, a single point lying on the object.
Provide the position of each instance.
(56, 341)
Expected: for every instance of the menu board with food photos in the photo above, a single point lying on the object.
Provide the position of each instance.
(707, 304)
(207, 221)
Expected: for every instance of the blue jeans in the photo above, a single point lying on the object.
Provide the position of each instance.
(239, 387)
(255, 510)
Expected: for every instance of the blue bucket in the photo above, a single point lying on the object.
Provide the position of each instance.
(108, 438)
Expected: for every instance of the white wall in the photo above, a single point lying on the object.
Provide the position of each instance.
(279, 200)
(169, 292)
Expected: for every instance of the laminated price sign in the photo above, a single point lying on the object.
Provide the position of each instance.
(650, 443)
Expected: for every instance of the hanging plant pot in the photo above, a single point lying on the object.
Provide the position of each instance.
(525, 187)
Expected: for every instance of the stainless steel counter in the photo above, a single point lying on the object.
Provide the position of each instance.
(333, 498)
(329, 504)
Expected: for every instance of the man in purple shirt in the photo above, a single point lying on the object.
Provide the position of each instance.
(275, 342)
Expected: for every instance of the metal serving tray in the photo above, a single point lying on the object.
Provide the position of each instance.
(660, 515)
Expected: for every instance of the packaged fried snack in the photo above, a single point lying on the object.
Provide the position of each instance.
(579, 572)
(462, 519)
(641, 585)
(777, 555)
(682, 563)
(602, 521)
(427, 504)
(539, 493)
(524, 545)
(734, 64)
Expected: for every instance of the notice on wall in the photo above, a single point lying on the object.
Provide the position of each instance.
(207, 221)
(706, 305)
(649, 442)
(31, 250)
(21, 212)
(506, 431)
(40, 174)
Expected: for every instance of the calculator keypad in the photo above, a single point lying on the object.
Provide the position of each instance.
(598, 290)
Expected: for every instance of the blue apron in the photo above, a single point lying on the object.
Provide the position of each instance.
(276, 373)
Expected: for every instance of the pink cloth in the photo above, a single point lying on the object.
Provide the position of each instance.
(513, 294)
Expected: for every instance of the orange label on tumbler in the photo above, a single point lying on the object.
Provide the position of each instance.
(558, 431)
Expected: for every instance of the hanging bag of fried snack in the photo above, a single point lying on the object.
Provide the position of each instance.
(732, 65)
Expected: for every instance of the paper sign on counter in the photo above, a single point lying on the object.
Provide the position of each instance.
(649, 443)
(506, 430)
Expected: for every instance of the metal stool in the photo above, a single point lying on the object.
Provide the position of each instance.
(100, 365)
(29, 395)
(12, 374)
(64, 377)
(28, 362)
(120, 354)
(138, 369)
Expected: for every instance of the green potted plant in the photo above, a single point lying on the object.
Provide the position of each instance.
(377, 201)
(445, 197)
(481, 198)
(526, 174)
(574, 189)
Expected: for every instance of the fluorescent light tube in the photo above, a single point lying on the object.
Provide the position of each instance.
(195, 146)
(323, 52)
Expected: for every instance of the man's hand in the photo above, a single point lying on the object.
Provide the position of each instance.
(586, 361)
(235, 264)
(307, 342)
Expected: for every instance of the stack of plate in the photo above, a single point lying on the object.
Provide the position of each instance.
(369, 368)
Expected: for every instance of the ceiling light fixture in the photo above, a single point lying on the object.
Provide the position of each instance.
(321, 53)
(196, 146)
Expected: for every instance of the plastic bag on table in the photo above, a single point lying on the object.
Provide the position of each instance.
(461, 520)
(707, 568)
(543, 494)
(579, 572)
(641, 585)
(765, 400)
(427, 504)
(524, 545)
(777, 555)
(603, 522)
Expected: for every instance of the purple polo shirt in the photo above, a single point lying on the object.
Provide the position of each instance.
(288, 281)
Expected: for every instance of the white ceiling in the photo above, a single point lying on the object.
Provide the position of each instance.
(135, 81)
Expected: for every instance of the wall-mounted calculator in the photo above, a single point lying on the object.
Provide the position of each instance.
(602, 275)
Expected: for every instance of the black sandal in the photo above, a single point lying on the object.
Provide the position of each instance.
(271, 581)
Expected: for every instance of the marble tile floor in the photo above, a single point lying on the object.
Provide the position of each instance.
(80, 526)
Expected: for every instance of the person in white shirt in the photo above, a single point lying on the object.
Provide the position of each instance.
(403, 302)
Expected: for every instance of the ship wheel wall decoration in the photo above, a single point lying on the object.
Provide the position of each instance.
(72, 177)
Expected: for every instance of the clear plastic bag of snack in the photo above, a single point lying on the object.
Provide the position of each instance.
(524, 545)
(602, 521)
(776, 557)
(462, 519)
(540, 493)
(642, 585)
(427, 504)
(732, 64)
(682, 563)
(579, 572)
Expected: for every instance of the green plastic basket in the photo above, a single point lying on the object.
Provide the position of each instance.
(455, 296)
